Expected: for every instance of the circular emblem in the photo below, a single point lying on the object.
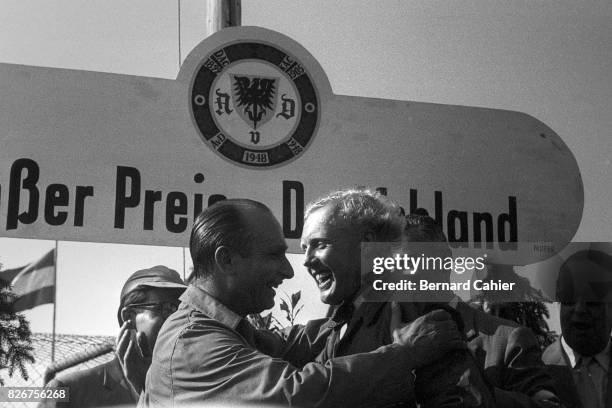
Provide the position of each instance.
(254, 104)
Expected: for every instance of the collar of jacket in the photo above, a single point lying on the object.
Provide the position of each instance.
(201, 300)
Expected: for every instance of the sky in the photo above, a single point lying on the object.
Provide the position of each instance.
(550, 59)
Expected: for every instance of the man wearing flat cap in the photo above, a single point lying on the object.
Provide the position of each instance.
(148, 297)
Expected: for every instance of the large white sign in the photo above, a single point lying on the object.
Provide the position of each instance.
(98, 157)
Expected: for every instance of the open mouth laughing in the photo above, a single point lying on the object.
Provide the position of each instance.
(324, 278)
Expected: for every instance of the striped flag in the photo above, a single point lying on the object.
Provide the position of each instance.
(33, 284)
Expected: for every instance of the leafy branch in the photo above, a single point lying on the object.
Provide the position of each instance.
(530, 311)
(15, 335)
(288, 304)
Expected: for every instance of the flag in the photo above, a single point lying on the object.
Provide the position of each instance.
(33, 284)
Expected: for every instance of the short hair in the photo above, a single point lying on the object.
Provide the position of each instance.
(420, 227)
(221, 224)
(364, 208)
(566, 293)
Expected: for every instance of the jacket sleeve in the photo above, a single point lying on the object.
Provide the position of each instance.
(51, 403)
(214, 363)
(299, 344)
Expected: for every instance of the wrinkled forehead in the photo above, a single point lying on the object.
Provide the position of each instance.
(584, 280)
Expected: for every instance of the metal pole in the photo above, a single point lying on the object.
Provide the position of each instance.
(218, 14)
(184, 273)
(180, 57)
(54, 301)
(221, 14)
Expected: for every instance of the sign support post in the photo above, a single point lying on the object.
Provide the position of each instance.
(221, 14)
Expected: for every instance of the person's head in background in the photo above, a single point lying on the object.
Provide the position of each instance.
(424, 236)
(148, 297)
(584, 289)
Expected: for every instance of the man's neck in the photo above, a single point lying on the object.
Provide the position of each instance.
(222, 294)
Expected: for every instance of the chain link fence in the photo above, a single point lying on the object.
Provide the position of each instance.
(71, 351)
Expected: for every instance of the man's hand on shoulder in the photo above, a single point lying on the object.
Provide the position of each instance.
(428, 337)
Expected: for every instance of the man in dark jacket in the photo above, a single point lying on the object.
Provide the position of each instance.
(505, 364)
(579, 360)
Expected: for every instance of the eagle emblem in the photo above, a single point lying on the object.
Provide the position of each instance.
(254, 98)
(254, 104)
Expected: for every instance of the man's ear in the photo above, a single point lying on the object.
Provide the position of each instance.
(225, 258)
(127, 314)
